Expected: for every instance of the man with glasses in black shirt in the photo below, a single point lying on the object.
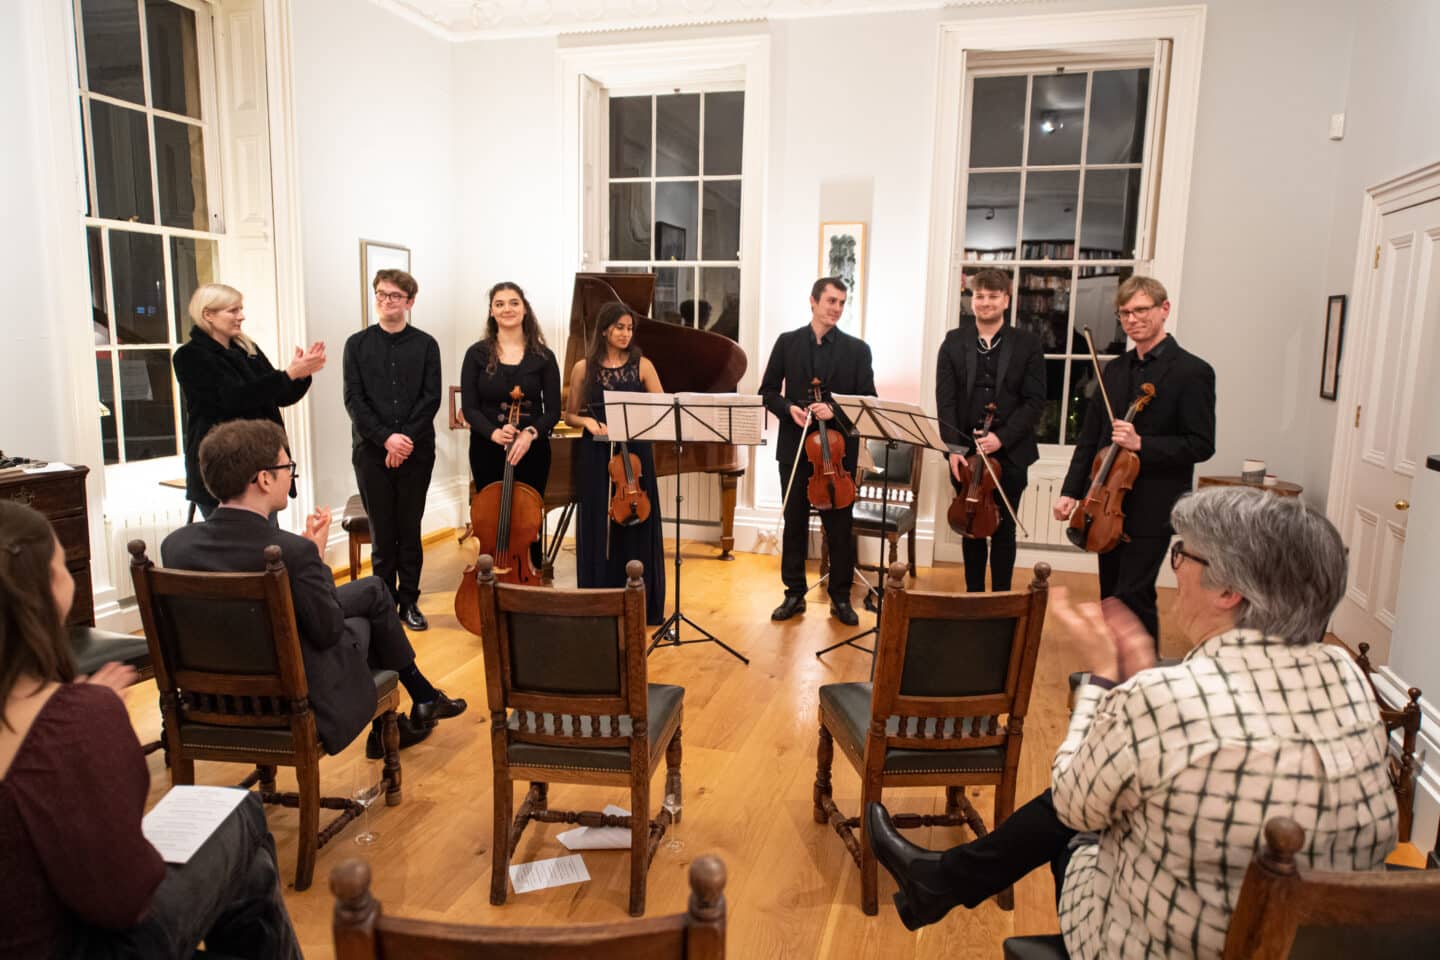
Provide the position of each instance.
(392, 392)
(1175, 431)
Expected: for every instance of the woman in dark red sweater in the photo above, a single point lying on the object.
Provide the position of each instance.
(82, 879)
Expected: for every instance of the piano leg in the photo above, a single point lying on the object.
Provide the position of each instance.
(729, 483)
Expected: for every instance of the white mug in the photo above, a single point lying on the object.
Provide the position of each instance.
(1253, 471)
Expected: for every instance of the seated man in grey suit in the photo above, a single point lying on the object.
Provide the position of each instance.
(247, 466)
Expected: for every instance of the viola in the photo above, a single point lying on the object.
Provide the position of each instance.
(1098, 523)
(506, 517)
(629, 504)
(831, 487)
(973, 513)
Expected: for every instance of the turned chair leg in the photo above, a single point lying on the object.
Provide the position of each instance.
(639, 845)
(824, 757)
(390, 737)
(869, 871)
(500, 841)
(267, 778)
(308, 777)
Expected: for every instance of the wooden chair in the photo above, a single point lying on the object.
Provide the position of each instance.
(232, 685)
(1406, 720)
(569, 702)
(363, 932)
(903, 501)
(356, 524)
(949, 667)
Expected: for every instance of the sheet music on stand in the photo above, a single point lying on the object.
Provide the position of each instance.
(877, 419)
(737, 418)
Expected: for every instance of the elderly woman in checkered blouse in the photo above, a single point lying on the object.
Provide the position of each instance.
(1168, 774)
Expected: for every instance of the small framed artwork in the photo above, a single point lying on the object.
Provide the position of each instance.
(669, 241)
(377, 255)
(1334, 341)
(842, 254)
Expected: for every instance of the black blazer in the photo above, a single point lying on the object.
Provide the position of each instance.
(219, 384)
(1019, 391)
(1177, 431)
(335, 650)
(790, 365)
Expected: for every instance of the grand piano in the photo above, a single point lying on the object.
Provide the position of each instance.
(687, 359)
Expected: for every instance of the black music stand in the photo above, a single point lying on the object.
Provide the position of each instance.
(895, 423)
(717, 429)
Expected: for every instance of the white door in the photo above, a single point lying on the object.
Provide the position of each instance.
(1397, 350)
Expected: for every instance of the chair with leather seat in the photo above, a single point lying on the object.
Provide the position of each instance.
(899, 505)
(92, 648)
(947, 708)
(569, 702)
(231, 678)
(356, 524)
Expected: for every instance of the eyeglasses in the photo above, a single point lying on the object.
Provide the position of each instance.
(1137, 312)
(385, 297)
(293, 466)
(1177, 550)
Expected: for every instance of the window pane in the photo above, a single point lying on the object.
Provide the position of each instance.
(180, 167)
(122, 163)
(1083, 392)
(1117, 116)
(722, 221)
(174, 67)
(630, 137)
(724, 133)
(1050, 213)
(99, 319)
(192, 263)
(992, 210)
(112, 48)
(1043, 306)
(148, 402)
(676, 213)
(1095, 308)
(138, 277)
(677, 135)
(997, 126)
(719, 305)
(106, 380)
(629, 221)
(1047, 428)
(673, 287)
(1112, 200)
(1057, 118)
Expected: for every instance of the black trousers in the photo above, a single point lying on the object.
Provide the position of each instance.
(395, 502)
(1030, 837)
(795, 542)
(368, 599)
(999, 549)
(1128, 574)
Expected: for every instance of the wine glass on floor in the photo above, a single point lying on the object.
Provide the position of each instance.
(366, 791)
(672, 807)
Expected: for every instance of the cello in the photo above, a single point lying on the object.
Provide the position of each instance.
(630, 504)
(831, 487)
(973, 513)
(506, 518)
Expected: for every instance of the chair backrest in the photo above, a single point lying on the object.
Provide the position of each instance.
(1406, 720)
(955, 670)
(570, 663)
(1282, 913)
(903, 475)
(363, 932)
(224, 646)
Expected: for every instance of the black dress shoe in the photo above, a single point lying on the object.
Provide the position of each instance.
(842, 611)
(922, 899)
(411, 733)
(441, 708)
(789, 608)
(411, 616)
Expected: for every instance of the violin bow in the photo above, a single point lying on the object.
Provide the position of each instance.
(1001, 490)
(1095, 360)
(775, 534)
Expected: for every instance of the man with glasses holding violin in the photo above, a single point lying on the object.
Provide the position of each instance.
(392, 393)
(344, 631)
(1175, 431)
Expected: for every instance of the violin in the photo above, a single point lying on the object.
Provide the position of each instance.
(973, 513)
(629, 504)
(831, 487)
(506, 517)
(1098, 523)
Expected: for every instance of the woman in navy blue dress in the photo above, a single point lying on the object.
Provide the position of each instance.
(603, 547)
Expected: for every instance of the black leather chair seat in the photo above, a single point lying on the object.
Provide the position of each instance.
(899, 517)
(663, 708)
(94, 648)
(850, 704)
(355, 520)
(276, 740)
(1048, 947)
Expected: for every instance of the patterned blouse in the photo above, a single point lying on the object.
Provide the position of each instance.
(1177, 770)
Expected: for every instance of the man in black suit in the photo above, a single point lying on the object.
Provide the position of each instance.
(343, 633)
(1175, 431)
(842, 363)
(982, 363)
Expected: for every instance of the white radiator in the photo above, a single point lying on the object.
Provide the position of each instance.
(151, 526)
(702, 499)
(1040, 495)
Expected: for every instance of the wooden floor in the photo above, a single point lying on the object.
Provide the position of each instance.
(750, 735)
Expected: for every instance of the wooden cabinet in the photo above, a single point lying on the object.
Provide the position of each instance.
(60, 496)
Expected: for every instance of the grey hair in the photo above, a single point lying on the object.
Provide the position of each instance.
(1285, 560)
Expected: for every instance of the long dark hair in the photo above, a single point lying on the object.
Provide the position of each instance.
(32, 638)
(534, 339)
(610, 314)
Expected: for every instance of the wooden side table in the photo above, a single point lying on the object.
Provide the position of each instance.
(1282, 488)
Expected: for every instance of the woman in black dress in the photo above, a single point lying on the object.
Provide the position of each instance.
(602, 547)
(512, 353)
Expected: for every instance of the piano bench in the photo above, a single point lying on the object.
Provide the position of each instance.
(356, 522)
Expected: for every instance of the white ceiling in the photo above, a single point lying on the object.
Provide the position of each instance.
(474, 19)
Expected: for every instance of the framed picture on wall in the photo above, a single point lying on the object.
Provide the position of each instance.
(377, 255)
(842, 254)
(669, 241)
(1334, 340)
